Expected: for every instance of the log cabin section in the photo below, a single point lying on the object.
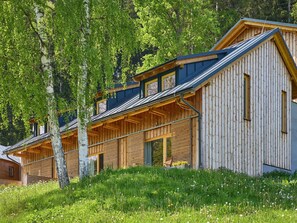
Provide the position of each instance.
(154, 123)
(10, 170)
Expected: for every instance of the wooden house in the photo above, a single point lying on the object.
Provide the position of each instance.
(229, 108)
(10, 168)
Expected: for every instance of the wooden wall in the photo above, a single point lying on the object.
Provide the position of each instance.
(237, 144)
(111, 158)
(125, 147)
(181, 147)
(289, 37)
(135, 149)
(4, 170)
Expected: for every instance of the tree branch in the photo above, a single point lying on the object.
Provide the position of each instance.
(31, 25)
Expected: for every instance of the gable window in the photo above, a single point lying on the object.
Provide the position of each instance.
(11, 171)
(247, 97)
(151, 87)
(284, 112)
(100, 106)
(168, 81)
(157, 152)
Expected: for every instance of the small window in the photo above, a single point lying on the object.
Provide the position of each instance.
(42, 129)
(247, 97)
(35, 129)
(284, 112)
(168, 81)
(100, 106)
(11, 171)
(151, 87)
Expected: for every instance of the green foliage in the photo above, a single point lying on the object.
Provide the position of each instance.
(173, 28)
(153, 194)
(111, 35)
(21, 77)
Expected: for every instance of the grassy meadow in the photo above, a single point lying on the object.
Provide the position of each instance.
(143, 194)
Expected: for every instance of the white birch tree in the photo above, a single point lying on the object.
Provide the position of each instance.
(105, 31)
(28, 67)
(47, 65)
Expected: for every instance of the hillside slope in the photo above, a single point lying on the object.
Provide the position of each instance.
(156, 195)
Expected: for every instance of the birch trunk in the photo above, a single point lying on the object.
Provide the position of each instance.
(82, 108)
(47, 60)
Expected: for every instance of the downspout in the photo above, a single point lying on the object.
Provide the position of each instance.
(199, 129)
(12, 159)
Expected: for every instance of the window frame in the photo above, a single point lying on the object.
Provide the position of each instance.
(97, 106)
(168, 75)
(149, 82)
(11, 171)
(165, 145)
(284, 112)
(247, 97)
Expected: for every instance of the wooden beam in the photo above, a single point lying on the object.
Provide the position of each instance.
(35, 146)
(96, 125)
(111, 127)
(93, 133)
(20, 155)
(66, 135)
(115, 119)
(158, 112)
(67, 142)
(36, 151)
(196, 59)
(46, 146)
(133, 120)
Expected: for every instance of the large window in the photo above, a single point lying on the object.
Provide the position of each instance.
(168, 81)
(247, 97)
(100, 106)
(151, 87)
(284, 112)
(157, 152)
(96, 164)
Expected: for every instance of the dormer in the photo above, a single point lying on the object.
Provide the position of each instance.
(175, 72)
(114, 97)
(39, 129)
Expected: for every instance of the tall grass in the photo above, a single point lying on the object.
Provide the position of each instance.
(143, 194)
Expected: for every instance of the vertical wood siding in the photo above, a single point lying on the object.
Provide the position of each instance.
(237, 144)
(289, 37)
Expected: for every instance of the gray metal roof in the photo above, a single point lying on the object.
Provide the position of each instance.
(235, 52)
(3, 156)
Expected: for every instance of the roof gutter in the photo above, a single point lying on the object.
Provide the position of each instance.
(199, 149)
(12, 159)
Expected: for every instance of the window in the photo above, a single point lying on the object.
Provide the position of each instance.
(284, 112)
(168, 81)
(96, 164)
(247, 97)
(151, 87)
(157, 151)
(11, 171)
(100, 106)
(42, 129)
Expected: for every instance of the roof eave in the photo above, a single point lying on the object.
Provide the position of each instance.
(245, 23)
